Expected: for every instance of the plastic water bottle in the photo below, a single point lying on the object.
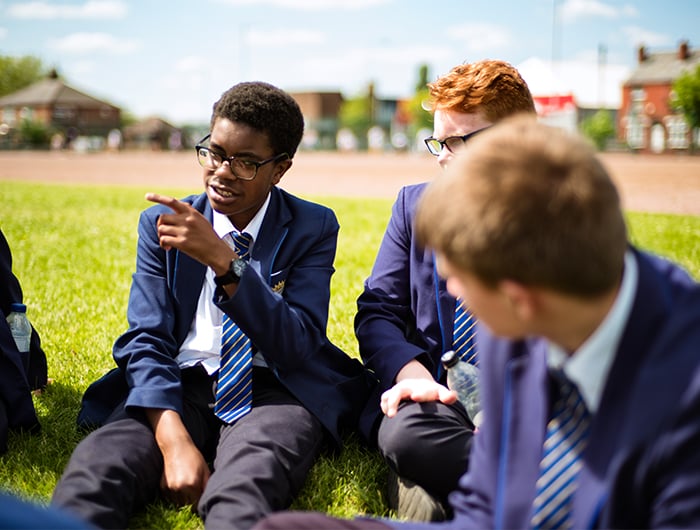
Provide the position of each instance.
(21, 330)
(463, 378)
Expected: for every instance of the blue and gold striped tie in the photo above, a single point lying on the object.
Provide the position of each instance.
(567, 433)
(234, 390)
(463, 341)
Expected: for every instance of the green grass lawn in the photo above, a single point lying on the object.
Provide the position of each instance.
(74, 252)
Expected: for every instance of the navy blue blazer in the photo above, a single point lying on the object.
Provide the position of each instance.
(641, 467)
(17, 379)
(405, 311)
(283, 310)
(20, 514)
(10, 292)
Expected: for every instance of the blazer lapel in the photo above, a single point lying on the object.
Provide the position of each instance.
(272, 233)
(446, 308)
(187, 274)
(525, 411)
(606, 427)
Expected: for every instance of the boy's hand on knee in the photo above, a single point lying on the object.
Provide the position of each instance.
(420, 390)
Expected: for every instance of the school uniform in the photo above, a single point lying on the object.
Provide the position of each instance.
(305, 389)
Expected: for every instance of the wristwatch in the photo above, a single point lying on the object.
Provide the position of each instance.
(233, 274)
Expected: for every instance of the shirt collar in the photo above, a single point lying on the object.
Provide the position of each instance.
(588, 367)
(223, 226)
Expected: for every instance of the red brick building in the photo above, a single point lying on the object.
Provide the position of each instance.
(320, 110)
(61, 107)
(647, 122)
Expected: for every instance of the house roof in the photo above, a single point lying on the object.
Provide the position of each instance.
(148, 126)
(51, 91)
(662, 67)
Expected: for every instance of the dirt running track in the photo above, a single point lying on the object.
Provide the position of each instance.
(648, 183)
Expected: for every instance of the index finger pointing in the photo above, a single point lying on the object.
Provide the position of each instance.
(171, 202)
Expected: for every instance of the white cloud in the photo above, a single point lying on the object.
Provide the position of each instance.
(574, 9)
(187, 89)
(307, 4)
(284, 37)
(636, 36)
(192, 64)
(403, 55)
(80, 68)
(84, 43)
(3, 33)
(92, 9)
(381, 59)
(393, 69)
(592, 84)
(629, 11)
(480, 37)
(587, 55)
(192, 81)
(196, 72)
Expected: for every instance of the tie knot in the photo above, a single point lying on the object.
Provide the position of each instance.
(241, 243)
(567, 394)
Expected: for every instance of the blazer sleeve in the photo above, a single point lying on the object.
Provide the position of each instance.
(656, 474)
(11, 291)
(289, 328)
(16, 406)
(146, 351)
(384, 318)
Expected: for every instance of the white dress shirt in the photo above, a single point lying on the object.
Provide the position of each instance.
(588, 367)
(203, 342)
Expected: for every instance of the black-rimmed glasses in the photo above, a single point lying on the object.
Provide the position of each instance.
(242, 168)
(452, 143)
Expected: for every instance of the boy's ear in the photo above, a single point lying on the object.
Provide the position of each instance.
(522, 299)
(280, 170)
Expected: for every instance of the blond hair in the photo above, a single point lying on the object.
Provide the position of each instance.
(530, 203)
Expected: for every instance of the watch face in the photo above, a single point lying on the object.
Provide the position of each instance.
(238, 266)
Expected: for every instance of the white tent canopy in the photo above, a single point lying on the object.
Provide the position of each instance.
(593, 85)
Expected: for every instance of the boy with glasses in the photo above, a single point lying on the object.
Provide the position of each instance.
(227, 388)
(405, 318)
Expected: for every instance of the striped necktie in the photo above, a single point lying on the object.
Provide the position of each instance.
(463, 340)
(567, 433)
(234, 390)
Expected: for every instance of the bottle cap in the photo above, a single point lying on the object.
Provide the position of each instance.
(449, 359)
(17, 307)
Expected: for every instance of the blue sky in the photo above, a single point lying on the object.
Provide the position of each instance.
(174, 58)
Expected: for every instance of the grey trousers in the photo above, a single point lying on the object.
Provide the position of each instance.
(429, 444)
(317, 521)
(259, 463)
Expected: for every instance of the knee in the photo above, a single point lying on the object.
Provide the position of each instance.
(119, 444)
(404, 435)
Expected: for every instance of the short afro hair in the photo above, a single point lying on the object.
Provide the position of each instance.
(265, 108)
